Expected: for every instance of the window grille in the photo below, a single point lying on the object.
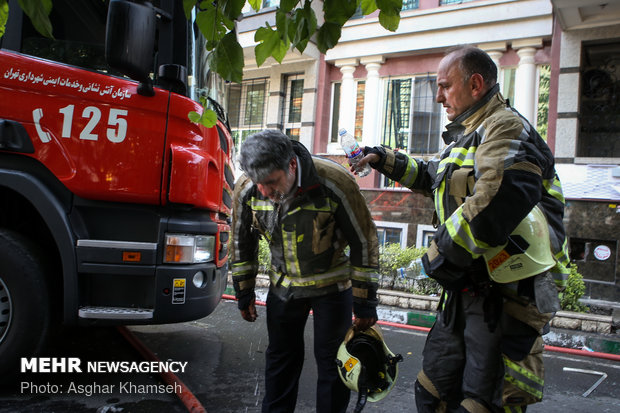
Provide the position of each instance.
(247, 108)
(412, 119)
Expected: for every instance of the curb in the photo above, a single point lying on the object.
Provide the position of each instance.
(589, 332)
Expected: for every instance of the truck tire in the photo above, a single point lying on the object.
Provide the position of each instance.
(24, 302)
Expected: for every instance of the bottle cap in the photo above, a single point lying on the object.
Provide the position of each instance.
(342, 131)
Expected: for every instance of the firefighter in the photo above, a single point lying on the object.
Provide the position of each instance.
(484, 352)
(308, 210)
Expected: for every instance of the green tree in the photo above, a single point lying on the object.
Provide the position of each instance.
(296, 25)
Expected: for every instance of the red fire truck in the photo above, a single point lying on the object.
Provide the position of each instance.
(114, 206)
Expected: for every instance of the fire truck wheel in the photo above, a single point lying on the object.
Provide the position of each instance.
(24, 302)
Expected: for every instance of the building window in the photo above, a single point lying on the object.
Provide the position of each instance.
(409, 5)
(335, 113)
(396, 120)
(247, 106)
(426, 123)
(508, 85)
(292, 106)
(599, 117)
(412, 119)
(392, 233)
(270, 3)
(424, 235)
(359, 111)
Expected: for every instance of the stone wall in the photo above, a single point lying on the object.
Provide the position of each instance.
(593, 229)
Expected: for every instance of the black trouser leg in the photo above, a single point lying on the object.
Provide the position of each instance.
(332, 318)
(284, 357)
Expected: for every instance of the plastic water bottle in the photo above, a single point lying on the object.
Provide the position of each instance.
(415, 270)
(353, 151)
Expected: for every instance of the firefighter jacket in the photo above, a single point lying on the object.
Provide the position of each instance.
(493, 171)
(308, 237)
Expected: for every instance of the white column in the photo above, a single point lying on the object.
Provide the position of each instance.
(525, 84)
(370, 136)
(495, 55)
(348, 94)
(495, 50)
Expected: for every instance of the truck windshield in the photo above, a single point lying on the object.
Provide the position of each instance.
(79, 35)
(79, 40)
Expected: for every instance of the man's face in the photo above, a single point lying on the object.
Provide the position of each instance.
(452, 92)
(278, 183)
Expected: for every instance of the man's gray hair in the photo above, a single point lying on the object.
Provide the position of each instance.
(264, 152)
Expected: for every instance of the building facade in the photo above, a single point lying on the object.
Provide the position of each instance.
(557, 64)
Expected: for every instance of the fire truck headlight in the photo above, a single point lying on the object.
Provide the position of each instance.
(189, 249)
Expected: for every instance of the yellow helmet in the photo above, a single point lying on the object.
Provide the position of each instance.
(527, 252)
(366, 365)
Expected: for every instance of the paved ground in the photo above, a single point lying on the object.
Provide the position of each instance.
(225, 356)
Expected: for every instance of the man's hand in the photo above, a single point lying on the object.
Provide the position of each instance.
(362, 324)
(371, 157)
(250, 314)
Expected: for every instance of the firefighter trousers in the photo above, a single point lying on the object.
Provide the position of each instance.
(284, 357)
(462, 365)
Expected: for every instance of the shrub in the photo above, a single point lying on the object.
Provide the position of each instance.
(392, 257)
(264, 256)
(569, 298)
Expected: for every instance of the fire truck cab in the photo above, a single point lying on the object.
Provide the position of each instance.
(114, 206)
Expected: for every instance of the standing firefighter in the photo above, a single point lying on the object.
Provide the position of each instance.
(309, 210)
(499, 209)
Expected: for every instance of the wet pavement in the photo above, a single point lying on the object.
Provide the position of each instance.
(225, 362)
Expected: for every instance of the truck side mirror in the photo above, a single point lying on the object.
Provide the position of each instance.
(130, 41)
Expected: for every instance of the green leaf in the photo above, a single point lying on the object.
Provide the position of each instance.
(4, 15)
(209, 23)
(339, 11)
(302, 27)
(231, 8)
(256, 4)
(282, 23)
(390, 7)
(287, 5)
(227, 58)
(264, 36)
(270, 44)
(368, 6)
(39, 11)
(328, 36)
(188, 5)
(194, 116)
(389, 22)
(207, 119)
